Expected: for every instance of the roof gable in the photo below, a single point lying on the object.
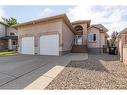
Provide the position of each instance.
(82, 22)
(99, 26)
(124, 31)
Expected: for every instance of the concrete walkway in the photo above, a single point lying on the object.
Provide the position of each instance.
(34, 72)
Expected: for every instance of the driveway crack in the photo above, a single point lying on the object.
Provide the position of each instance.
(20, 75)
(8, 74)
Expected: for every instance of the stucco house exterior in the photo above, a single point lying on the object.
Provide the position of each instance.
(56, 35)
(8, 37)
(98, 31)
(122, 45)
(92, 37)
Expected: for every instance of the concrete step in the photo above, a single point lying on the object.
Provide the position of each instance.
(79, 49)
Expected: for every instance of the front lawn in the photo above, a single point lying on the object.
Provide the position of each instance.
(8, 52)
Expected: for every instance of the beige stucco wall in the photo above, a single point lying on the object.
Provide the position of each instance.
(39, 29)
(67, 38)
(125, 54)
(97, 43)
(85, 32)
(54, 27)
(100, 38)
(122, 41)
(120, 50)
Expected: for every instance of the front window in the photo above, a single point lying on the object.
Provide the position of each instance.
(92, 37)
(12, 34)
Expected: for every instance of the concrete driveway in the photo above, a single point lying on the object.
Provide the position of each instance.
(17, 72)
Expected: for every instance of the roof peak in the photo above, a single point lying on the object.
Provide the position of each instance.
(81, 22)
(99, 26)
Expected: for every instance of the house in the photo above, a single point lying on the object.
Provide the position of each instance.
(80, 35)
(122, 45)
(56, 35)
(8, 37)
(93, 37)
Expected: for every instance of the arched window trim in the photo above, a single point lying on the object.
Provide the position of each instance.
(78, 28)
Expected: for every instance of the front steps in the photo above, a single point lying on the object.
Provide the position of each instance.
(79, 49)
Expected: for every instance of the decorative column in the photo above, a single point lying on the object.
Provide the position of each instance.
(10, 44)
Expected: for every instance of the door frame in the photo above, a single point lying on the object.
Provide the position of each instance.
(76, 38)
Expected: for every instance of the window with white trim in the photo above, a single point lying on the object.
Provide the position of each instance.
(92, 37)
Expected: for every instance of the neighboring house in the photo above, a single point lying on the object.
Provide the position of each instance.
(56, 35)
(8, 38)
(122, 45)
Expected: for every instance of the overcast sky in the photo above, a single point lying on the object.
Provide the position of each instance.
(113, 18)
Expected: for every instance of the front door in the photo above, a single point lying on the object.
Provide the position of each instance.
(78, 39)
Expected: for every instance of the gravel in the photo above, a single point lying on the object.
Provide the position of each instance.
(100, 71)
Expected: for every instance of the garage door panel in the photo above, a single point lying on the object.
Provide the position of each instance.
(27, 46)
(49, 45)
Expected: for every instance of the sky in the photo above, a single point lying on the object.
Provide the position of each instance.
(114, 18)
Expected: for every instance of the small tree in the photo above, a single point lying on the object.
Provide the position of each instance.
(108, 43)
(113, 38)
(10, 21)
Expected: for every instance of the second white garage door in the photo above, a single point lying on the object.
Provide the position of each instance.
(27, 45)
(49, 45)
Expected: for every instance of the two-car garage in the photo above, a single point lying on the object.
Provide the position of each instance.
(47, 36)
(48, 45)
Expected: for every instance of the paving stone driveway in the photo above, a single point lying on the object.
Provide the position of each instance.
(16, 72)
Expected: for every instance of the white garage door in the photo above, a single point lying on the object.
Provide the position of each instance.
(49, 45)
(27, 45)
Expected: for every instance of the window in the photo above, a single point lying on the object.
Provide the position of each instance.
(14, 43)
(12, 34)
(92, 37)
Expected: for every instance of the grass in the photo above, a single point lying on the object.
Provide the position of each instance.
(8, 52)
